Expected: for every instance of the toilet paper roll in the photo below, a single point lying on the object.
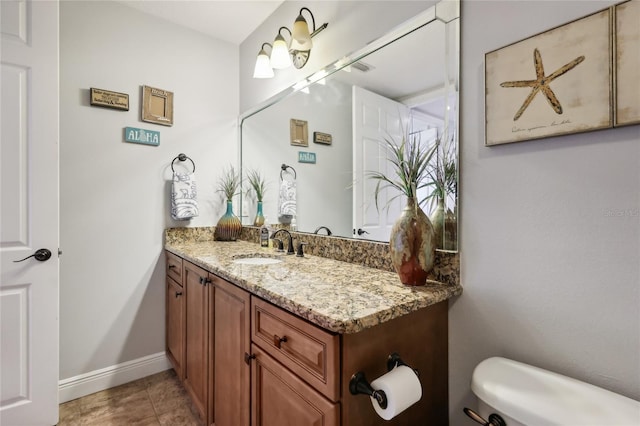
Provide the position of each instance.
(403, 389)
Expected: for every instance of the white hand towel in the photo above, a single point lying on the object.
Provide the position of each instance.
(184, 204)
(287, 201)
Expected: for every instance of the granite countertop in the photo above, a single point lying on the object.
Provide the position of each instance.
(338, 296)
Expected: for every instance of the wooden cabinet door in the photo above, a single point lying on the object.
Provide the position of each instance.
(232, 339)
(175, 326)
(280, 398)
(196, 363)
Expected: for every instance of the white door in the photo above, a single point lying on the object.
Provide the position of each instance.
(375, 118)
(29, 212)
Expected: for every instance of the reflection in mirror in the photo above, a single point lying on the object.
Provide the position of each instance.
(405, 82)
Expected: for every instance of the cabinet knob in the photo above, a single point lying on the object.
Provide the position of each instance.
(248, 358)
(178, 293)
(278, 341)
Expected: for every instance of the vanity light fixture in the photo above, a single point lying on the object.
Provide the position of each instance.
(284, 54)
(263, 64)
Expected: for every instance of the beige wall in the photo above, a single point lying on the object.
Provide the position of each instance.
(550, 276)
(114, 195)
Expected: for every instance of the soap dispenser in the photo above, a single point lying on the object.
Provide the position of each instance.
(265, 234)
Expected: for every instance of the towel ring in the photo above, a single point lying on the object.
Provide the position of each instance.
(284, 168)
(183, 157)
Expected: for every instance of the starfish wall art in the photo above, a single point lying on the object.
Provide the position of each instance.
(554, 83)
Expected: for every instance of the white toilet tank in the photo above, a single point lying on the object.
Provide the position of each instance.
(524, 395)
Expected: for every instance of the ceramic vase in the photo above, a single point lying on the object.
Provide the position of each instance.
(437, 221)
(259, 219)
(229, 226)
(412, 245)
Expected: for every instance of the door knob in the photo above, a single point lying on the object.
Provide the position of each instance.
(40, 255)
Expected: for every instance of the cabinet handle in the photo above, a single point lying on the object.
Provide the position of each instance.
(207, 281)
(278, 341)
(171, 266)
(202, 280)
(248, 358)
(178, 293)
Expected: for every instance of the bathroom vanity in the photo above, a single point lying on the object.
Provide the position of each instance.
(274, 344)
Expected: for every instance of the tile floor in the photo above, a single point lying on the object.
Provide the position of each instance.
(155, 400)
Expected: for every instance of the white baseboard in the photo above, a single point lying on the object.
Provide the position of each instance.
(115, 375)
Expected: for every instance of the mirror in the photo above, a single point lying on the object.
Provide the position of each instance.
(405, 80)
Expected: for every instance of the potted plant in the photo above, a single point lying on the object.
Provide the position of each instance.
(229, 226)
(257, 186)
(412, 241)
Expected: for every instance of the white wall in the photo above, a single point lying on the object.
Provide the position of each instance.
(550, 277)
(324, 198)
(113, 194)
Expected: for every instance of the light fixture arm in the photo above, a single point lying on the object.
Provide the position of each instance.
(320, 28)
(267, 44)
(284, 28)
(313, 19)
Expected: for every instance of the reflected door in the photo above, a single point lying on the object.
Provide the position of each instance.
(29, 213)
(375, 118)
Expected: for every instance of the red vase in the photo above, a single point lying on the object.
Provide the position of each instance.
(412, 245)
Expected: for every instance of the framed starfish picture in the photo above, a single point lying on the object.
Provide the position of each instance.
(554, 83)
(627, 64)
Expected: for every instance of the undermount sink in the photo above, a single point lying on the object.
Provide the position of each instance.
(256, 260)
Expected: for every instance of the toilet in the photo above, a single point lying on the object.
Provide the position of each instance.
(524, 395)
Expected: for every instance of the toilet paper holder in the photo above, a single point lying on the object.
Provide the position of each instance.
(359, 385)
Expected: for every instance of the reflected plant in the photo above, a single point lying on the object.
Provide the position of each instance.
(257, 184)
(410, 160)
(442, 173)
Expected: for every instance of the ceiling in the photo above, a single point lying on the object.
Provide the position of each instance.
(230, 20)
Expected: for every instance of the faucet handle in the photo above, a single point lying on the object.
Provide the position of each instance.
(279, 245)
(300, 252)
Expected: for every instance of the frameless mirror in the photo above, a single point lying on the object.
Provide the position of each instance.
(405, 80)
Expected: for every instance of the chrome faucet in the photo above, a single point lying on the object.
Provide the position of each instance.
(322, 227)
(290, 240)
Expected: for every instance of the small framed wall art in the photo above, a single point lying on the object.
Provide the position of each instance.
(299, 132)
(108, 99)
(323, 138)
(157, 106)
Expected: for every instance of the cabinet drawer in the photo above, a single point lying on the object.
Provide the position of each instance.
(174, 267)
(307, 350)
